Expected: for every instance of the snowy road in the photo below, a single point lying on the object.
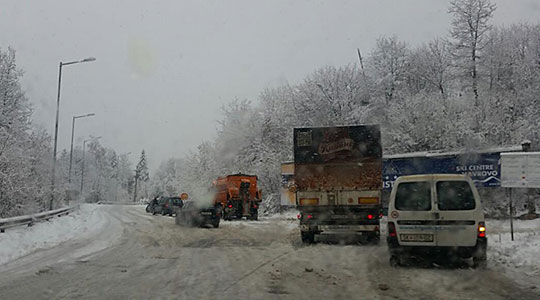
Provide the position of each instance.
(139, 256)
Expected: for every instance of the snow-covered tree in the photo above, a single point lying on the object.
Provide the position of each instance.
(24, 153)
(389, 62)
(141, 175)
(429, 68)
(470, 32)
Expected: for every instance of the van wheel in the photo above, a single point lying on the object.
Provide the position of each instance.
(308, 237)
(479, 262)
(395, 261)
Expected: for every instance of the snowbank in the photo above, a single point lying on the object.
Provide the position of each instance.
(521, 255)
(20, 241)
(290, 214)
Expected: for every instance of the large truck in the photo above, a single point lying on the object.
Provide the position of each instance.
(239, 196)
(338, 181)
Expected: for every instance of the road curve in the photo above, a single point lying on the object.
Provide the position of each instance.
(139, 256)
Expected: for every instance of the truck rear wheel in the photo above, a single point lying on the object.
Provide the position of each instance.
(308, 237)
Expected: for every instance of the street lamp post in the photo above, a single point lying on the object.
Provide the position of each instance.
(72, 136)
(82, 166)
(56, 123)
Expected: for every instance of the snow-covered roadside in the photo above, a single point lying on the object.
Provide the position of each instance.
(20, 241)
(286, 215)
(521, 256)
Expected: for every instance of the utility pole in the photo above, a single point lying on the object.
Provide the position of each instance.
(361, 62)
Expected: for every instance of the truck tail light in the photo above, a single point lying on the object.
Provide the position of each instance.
(254, 205)
(391, 229)
(368, 200)
(481, 229)
(370, 217)
(309, 201)
(229, 206)
(310, 216)
(298, 216)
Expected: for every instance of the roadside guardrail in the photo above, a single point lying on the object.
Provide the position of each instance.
(119, 203)
(31, 219)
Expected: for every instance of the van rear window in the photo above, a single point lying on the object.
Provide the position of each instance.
(413, 196)
(455, 195)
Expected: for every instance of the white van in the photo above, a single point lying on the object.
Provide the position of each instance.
(436, 214)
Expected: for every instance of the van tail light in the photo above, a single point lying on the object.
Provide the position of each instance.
(370, 217)
(230, 205)
(481, 229)
(391, 229)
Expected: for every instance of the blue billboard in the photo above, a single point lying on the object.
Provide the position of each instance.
(484, 168)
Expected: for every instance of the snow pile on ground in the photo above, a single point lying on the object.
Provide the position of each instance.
(20, 241)
(290, 214)
(522, 254)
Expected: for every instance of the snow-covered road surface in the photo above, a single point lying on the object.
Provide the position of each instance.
(139, 256)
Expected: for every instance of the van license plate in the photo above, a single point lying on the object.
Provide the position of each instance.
(416, 237)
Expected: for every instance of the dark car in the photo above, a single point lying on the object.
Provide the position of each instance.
(191, 214)
(168, 205)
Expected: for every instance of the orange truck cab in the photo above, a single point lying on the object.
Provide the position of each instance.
(238, 195)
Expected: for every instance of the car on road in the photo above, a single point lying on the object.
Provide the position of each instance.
(167, 205)
(436, 215)
(195, 214)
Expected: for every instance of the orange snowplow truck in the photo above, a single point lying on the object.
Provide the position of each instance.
(239, 196)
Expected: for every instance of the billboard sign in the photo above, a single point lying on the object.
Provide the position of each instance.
(484, 168)
(520, 170)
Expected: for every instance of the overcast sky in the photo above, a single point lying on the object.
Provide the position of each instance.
(164, 68)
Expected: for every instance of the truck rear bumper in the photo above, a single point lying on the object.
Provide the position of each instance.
(339, 228)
